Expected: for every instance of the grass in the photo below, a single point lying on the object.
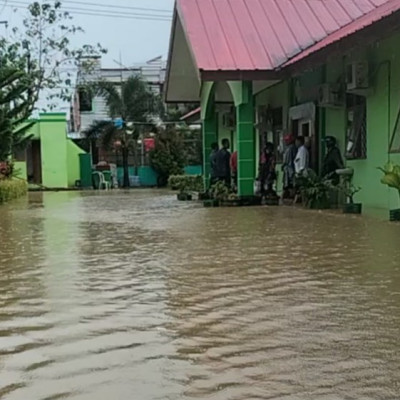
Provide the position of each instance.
(12, 189)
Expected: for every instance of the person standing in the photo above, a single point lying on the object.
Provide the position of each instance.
(267, 169)
(302, 160)
(223, 167)
(332, 161)
(288, 166)
(213, 163)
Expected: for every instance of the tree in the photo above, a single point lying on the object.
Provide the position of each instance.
(38, 58)
(169, 156)
(15, 106)
(132, 107)
(45, 51)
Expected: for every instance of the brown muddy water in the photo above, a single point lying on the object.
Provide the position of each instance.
(136, 296)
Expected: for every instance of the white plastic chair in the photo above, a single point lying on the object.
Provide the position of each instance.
(103, 184)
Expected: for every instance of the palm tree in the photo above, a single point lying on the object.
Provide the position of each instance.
(15, 107)
(136, 106)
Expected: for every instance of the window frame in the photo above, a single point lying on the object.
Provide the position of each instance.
(358, 131)
(396, 131)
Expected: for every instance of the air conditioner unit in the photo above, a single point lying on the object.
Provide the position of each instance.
(330, 95)
(229, 120)
(357, 76)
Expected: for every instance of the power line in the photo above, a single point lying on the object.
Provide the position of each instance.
(78, 10)
(85, 3)
(96, 13)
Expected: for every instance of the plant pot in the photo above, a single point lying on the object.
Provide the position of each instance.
(184, 197)
(352, 208)
(211, 203)
(204, 196)
(395, 215)
(248, 201)
(231, 203)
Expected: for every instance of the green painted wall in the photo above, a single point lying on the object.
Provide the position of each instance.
(20, 166)
(60, 156)
(384, 67)
(73, 166)
(54, 154)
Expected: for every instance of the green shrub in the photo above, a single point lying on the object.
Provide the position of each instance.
(186, 183)
(11, 189)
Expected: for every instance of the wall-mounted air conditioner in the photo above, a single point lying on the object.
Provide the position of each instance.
(357, 76)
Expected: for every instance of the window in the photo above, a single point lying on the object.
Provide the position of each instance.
(395, 142)
(85, 100)
(356, 126)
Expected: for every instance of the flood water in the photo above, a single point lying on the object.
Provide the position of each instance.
(119, 296)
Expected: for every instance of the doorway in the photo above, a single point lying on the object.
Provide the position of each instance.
(303, 123)
(34, 162)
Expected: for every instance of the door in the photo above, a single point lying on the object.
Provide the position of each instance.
(36, 162)
(306, 128)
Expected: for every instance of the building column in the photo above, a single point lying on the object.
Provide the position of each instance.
(246, 142)
(210, 129)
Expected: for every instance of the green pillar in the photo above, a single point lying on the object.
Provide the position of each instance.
(210, 129)
(246, 142)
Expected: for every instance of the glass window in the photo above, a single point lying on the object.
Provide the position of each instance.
(356, 126)
(395, 142)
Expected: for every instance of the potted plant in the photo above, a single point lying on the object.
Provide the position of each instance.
(391, 178)
(184, 192)
(350, 207)
(315, 191)
(218, 193)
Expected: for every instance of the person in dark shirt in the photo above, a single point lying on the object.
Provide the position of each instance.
(223, 168)
(213, 163)
(267, 175)
(288, 166)
(332, 161)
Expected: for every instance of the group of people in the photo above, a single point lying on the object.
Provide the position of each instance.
(296, 162)
(221, 160)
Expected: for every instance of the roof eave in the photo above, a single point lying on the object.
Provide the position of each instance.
(170, 51)
(239, 75)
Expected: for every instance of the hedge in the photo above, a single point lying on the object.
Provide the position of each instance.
(11, 189)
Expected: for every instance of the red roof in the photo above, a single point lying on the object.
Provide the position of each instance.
(377, 14)
(244, 35)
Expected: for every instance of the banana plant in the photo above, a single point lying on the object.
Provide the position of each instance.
(391, 176)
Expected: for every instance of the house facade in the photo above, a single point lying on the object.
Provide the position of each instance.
(86, 109)
(265, 68)
(51, 158)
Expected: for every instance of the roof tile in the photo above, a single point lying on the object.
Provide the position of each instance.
(265, 34)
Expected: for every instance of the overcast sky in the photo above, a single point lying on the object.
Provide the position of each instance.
(137, 40)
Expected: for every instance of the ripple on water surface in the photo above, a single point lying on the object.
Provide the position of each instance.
(136, 296)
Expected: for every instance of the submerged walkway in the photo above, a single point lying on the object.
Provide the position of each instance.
(124, 296)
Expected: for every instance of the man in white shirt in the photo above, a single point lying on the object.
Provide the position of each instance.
(302, 160)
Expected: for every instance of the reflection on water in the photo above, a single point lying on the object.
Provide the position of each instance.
(136, 296)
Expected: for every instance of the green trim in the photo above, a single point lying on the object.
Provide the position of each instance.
(55, 114)
(52, 120)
